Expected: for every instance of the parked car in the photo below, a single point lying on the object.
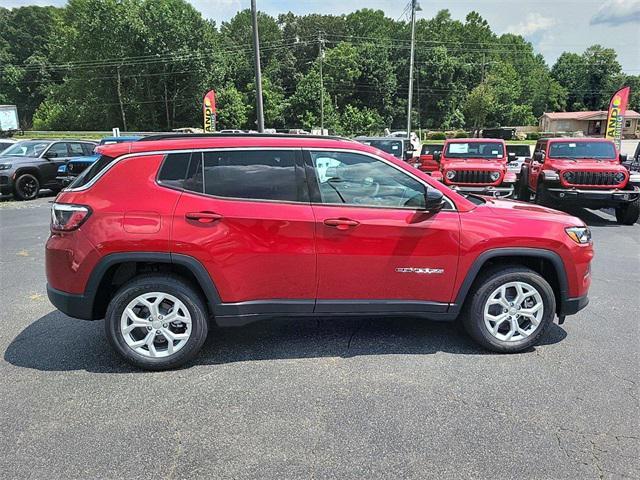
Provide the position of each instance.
(5, 143)
(426, 161)
(398, 147)
(585, 172)
(75, 166)
(413, 138)
(517, 153)
(161, 235)
(476, 165)
(30, 165)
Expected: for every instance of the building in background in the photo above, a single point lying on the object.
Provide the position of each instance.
(591, 124)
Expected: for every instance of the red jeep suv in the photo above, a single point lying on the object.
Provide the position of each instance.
(160, 235)
(476, 165)
(585, 172)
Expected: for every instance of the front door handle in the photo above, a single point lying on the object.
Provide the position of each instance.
(341, 223)
(203, 217)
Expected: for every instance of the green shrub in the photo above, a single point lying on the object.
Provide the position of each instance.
(461, 135)
(436, 136)
(533, 136)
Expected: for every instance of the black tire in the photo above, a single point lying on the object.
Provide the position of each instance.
(26, 187)
(523, 187)
(172, 285)
(484, 286)
(629, 213)
(542, 196)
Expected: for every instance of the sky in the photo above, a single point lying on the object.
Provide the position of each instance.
(552, 26)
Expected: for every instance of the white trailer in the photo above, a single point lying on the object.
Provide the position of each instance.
(8, 119)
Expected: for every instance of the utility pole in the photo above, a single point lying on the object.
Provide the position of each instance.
(414, 4)
(256, 57)
(321, 41)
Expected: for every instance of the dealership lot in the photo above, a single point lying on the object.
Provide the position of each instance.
(334, 398)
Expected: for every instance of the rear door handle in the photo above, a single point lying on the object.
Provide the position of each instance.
(341, 223)
(203, 217)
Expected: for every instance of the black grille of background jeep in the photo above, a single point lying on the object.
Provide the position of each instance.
(590, 178)
(473, 176)
(77, 167)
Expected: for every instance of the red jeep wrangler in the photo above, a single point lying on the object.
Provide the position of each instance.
(585, 172)
(476, 165)
(426, 161)
(160, 235)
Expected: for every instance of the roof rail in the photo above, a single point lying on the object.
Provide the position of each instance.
(173, 136)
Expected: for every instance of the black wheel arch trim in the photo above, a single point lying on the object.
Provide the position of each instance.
(192, 264)
(507, 252)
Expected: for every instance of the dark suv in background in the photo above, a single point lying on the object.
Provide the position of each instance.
(30, 165)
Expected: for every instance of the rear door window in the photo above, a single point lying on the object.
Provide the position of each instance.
(251, 174)
(75, 150)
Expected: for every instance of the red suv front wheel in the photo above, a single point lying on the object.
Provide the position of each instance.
(510, 309)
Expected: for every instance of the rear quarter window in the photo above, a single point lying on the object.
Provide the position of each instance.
(91, 172)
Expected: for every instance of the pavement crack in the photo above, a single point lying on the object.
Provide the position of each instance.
(176, 457)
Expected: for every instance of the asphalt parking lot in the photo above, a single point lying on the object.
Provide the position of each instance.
(339, 398)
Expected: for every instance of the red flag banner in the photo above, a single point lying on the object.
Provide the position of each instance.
(209, 111)
(617, 111)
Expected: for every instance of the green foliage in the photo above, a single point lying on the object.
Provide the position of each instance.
(232, 108)
(437, 136)
(533, 136)
(461, 135)
(146, 64)
(360, 121)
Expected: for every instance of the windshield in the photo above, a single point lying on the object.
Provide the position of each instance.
(26, 149)
(474, 150)
(582, 150)
(431, 149)
(519, 150)
(394, 147)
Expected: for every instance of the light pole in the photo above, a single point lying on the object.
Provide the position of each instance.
(256, 57)
(414, 4)
(321, 40)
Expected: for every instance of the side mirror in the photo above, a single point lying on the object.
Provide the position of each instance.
(538, 157)
(49, 155)
(433, 200)
(623, 157)
(437, 156)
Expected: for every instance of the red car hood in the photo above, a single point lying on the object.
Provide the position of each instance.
(513, 207)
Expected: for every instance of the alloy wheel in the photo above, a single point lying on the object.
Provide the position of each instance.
(513, 311)
(156, 324)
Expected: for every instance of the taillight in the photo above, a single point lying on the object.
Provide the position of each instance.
(66, 217)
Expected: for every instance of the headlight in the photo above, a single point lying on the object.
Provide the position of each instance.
(581, 235)
(619, 177)
(494, 176)
(569, 177)
(5, 166)
(451, 174)
(62, 169)
(550, 175)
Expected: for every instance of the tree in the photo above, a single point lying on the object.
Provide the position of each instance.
(479, 104)
(159, 78)
(360, 121)
(232, 108)
(25, 76)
